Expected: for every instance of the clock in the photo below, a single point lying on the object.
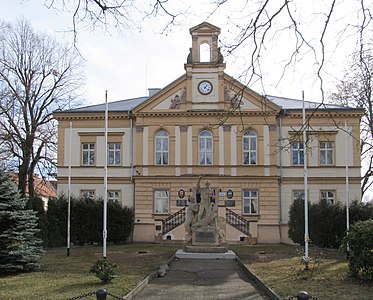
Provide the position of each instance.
(205, 87)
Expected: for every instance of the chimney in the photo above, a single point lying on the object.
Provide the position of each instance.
(153, 91)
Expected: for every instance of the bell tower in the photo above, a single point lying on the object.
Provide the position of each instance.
(205, 69)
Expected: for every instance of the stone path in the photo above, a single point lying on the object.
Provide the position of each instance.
(202, 279)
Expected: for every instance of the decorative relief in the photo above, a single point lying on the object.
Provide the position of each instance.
(139, 128)
(183, 128)
(234, 101)
(177, 100)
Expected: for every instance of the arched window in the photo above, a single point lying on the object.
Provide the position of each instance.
(205, 148)
(204, 53)
(161, 148)
(249, 148)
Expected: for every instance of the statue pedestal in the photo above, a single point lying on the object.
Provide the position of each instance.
(205, 236)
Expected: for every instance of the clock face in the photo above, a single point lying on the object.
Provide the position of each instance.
(205, 87)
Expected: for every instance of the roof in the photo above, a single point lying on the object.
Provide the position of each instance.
(119, 106)
(288, 103)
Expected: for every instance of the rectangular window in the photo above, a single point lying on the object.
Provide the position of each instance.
(87, 194)
(113, 196)
(297, 152)
(161, 202)
(114, 154)
(88, 154)
(326, 153)
(329, 196)
(250, 201)
(298, 195)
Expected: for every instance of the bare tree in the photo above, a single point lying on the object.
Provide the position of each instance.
(356, 89)
(37, 76)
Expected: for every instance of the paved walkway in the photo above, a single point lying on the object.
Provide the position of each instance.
(202, 279)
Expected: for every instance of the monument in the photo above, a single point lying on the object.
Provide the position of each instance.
(204, 230)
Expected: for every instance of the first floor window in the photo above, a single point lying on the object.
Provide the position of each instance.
(161, 200)
(326, 153)
(329, 196)
(297, 153)
(249, 148)
(113, 154)
(250, 201)
(205, 148)
(113, 196)
(161, 148)
(88, 194)
(298, 195)
(88, 154)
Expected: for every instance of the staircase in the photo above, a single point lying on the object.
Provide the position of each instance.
(173, 221)
(237, 221)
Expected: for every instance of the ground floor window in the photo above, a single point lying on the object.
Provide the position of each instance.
(250, 201)
(298, 195)
(161, 202)
(113, 196)
(87, 194)
(329, 196)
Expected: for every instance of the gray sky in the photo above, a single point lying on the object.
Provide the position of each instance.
(128, 63)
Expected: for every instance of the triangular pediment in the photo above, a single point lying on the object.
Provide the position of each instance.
(204, 27)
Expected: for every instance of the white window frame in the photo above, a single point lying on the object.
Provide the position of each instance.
(205, 148)
(249, 154)
(88, 154)
(162, 148)
(297, 194)
(114, 196)
(90, 194)
(114, 154)
(328, 195)
(326, 153)
(251, 196)
(297, 152)
(161, 201)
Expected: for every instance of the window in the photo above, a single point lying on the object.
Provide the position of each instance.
(87, 194)
(113, 158)
(161, 148)
(204, 50)
(205, 148)
(297, 152)
(88, 154)
(161, 202)
(250, 202)
(326, 153)
(298, 195)
(113, 196)
(249, 148)
(329, 196)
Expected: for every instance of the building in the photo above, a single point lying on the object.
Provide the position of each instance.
(207, 124)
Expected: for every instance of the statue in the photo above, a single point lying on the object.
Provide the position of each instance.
(206, 194)
(191, 218)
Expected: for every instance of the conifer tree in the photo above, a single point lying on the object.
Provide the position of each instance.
(20, 248)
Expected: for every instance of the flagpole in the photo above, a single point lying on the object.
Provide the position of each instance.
(347, 187)
(306, 236)
(69, 192)
(104, 233)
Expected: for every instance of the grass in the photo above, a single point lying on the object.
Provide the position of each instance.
(282, 269)
(279, 266)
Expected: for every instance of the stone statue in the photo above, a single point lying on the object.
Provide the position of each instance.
(206, 194)
(191, 217)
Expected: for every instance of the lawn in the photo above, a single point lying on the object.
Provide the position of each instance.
(279, 266)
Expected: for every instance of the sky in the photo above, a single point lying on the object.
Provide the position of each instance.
(128, 62)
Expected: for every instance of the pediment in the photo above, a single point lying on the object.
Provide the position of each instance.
(204, 27)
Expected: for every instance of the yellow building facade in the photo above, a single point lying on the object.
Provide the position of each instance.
(205, 123)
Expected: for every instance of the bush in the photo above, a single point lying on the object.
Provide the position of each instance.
(327, 223)
(104, 270)
(359, 241)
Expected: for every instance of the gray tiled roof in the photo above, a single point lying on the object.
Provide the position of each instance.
(288, 103)
(120, 106)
